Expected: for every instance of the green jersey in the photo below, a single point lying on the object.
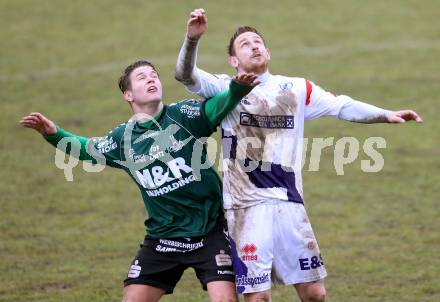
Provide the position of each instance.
(167, 159)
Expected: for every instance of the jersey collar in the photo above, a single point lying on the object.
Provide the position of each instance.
(263, 77)
(157, 118)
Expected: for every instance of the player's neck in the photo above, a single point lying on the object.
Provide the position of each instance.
(258, 70)
(147, 111)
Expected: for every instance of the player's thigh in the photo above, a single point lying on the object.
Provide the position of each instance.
(142, 293)
(311, 291)
(221, 291)
(154, 270)
(251, 233)
(297, 258)
(213, 262)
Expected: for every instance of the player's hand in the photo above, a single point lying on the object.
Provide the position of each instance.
(39, 122)
(402, 116)
(249, 79)
(197, 23)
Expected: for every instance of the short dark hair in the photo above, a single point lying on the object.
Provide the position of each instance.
(124, 80)
(240, 30)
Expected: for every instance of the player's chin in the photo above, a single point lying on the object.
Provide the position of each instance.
(257, 65)
(153, 98)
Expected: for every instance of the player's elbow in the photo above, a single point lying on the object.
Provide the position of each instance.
(187, 81)
(179, 79)
(178, 74)
(183, 77)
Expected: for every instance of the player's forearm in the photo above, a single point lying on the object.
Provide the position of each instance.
(359, 112)
(186, 62)
(61, 133)
(224, 102)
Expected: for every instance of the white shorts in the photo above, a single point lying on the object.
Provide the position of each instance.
(274, 241)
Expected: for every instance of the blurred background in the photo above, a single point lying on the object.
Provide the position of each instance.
(73, 241)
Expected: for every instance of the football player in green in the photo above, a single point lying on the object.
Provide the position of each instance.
(162, 148)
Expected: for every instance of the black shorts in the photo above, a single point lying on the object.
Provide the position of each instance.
(161, 262)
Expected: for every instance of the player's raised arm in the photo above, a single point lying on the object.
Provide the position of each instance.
(186, 62)
(197, 24)
(54, 134)
(195, 79)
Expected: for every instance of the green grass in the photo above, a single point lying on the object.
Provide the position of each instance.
(73, 241)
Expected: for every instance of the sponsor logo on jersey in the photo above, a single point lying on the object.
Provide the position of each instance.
(245, 101)
(286, 86)
(267, 121)
(249, 250)
(171, 187)
(190, 111)
(157, 176)
(106, 144)
(147, 134)
(311, 263)
(225, 272)
(245, 280)
(223, 259)
(137, 158)
(135, 270)
(166, 245)
(156, 151)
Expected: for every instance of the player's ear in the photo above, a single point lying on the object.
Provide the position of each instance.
(268, 53)
(233, 61)
(128, 96)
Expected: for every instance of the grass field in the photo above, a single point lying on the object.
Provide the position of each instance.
(73, 241)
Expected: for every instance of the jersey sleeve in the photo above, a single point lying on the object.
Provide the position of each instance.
(108, 147)
(208, 85)
(322, 103)
(93, 149)
(80, 142)
(319, 102)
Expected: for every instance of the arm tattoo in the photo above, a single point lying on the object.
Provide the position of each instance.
(186, 61)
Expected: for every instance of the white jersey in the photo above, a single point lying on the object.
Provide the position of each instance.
(262, 137)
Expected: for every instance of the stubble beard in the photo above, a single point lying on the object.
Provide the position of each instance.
(256, 67)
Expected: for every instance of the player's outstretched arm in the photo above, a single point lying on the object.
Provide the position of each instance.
(40, 123)
(360, 112)
(221, 104)
(402, 116)
(54, 134)
(356, 111)
(323, 103)
(186, 62)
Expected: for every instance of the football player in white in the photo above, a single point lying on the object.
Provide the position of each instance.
(262, 184)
